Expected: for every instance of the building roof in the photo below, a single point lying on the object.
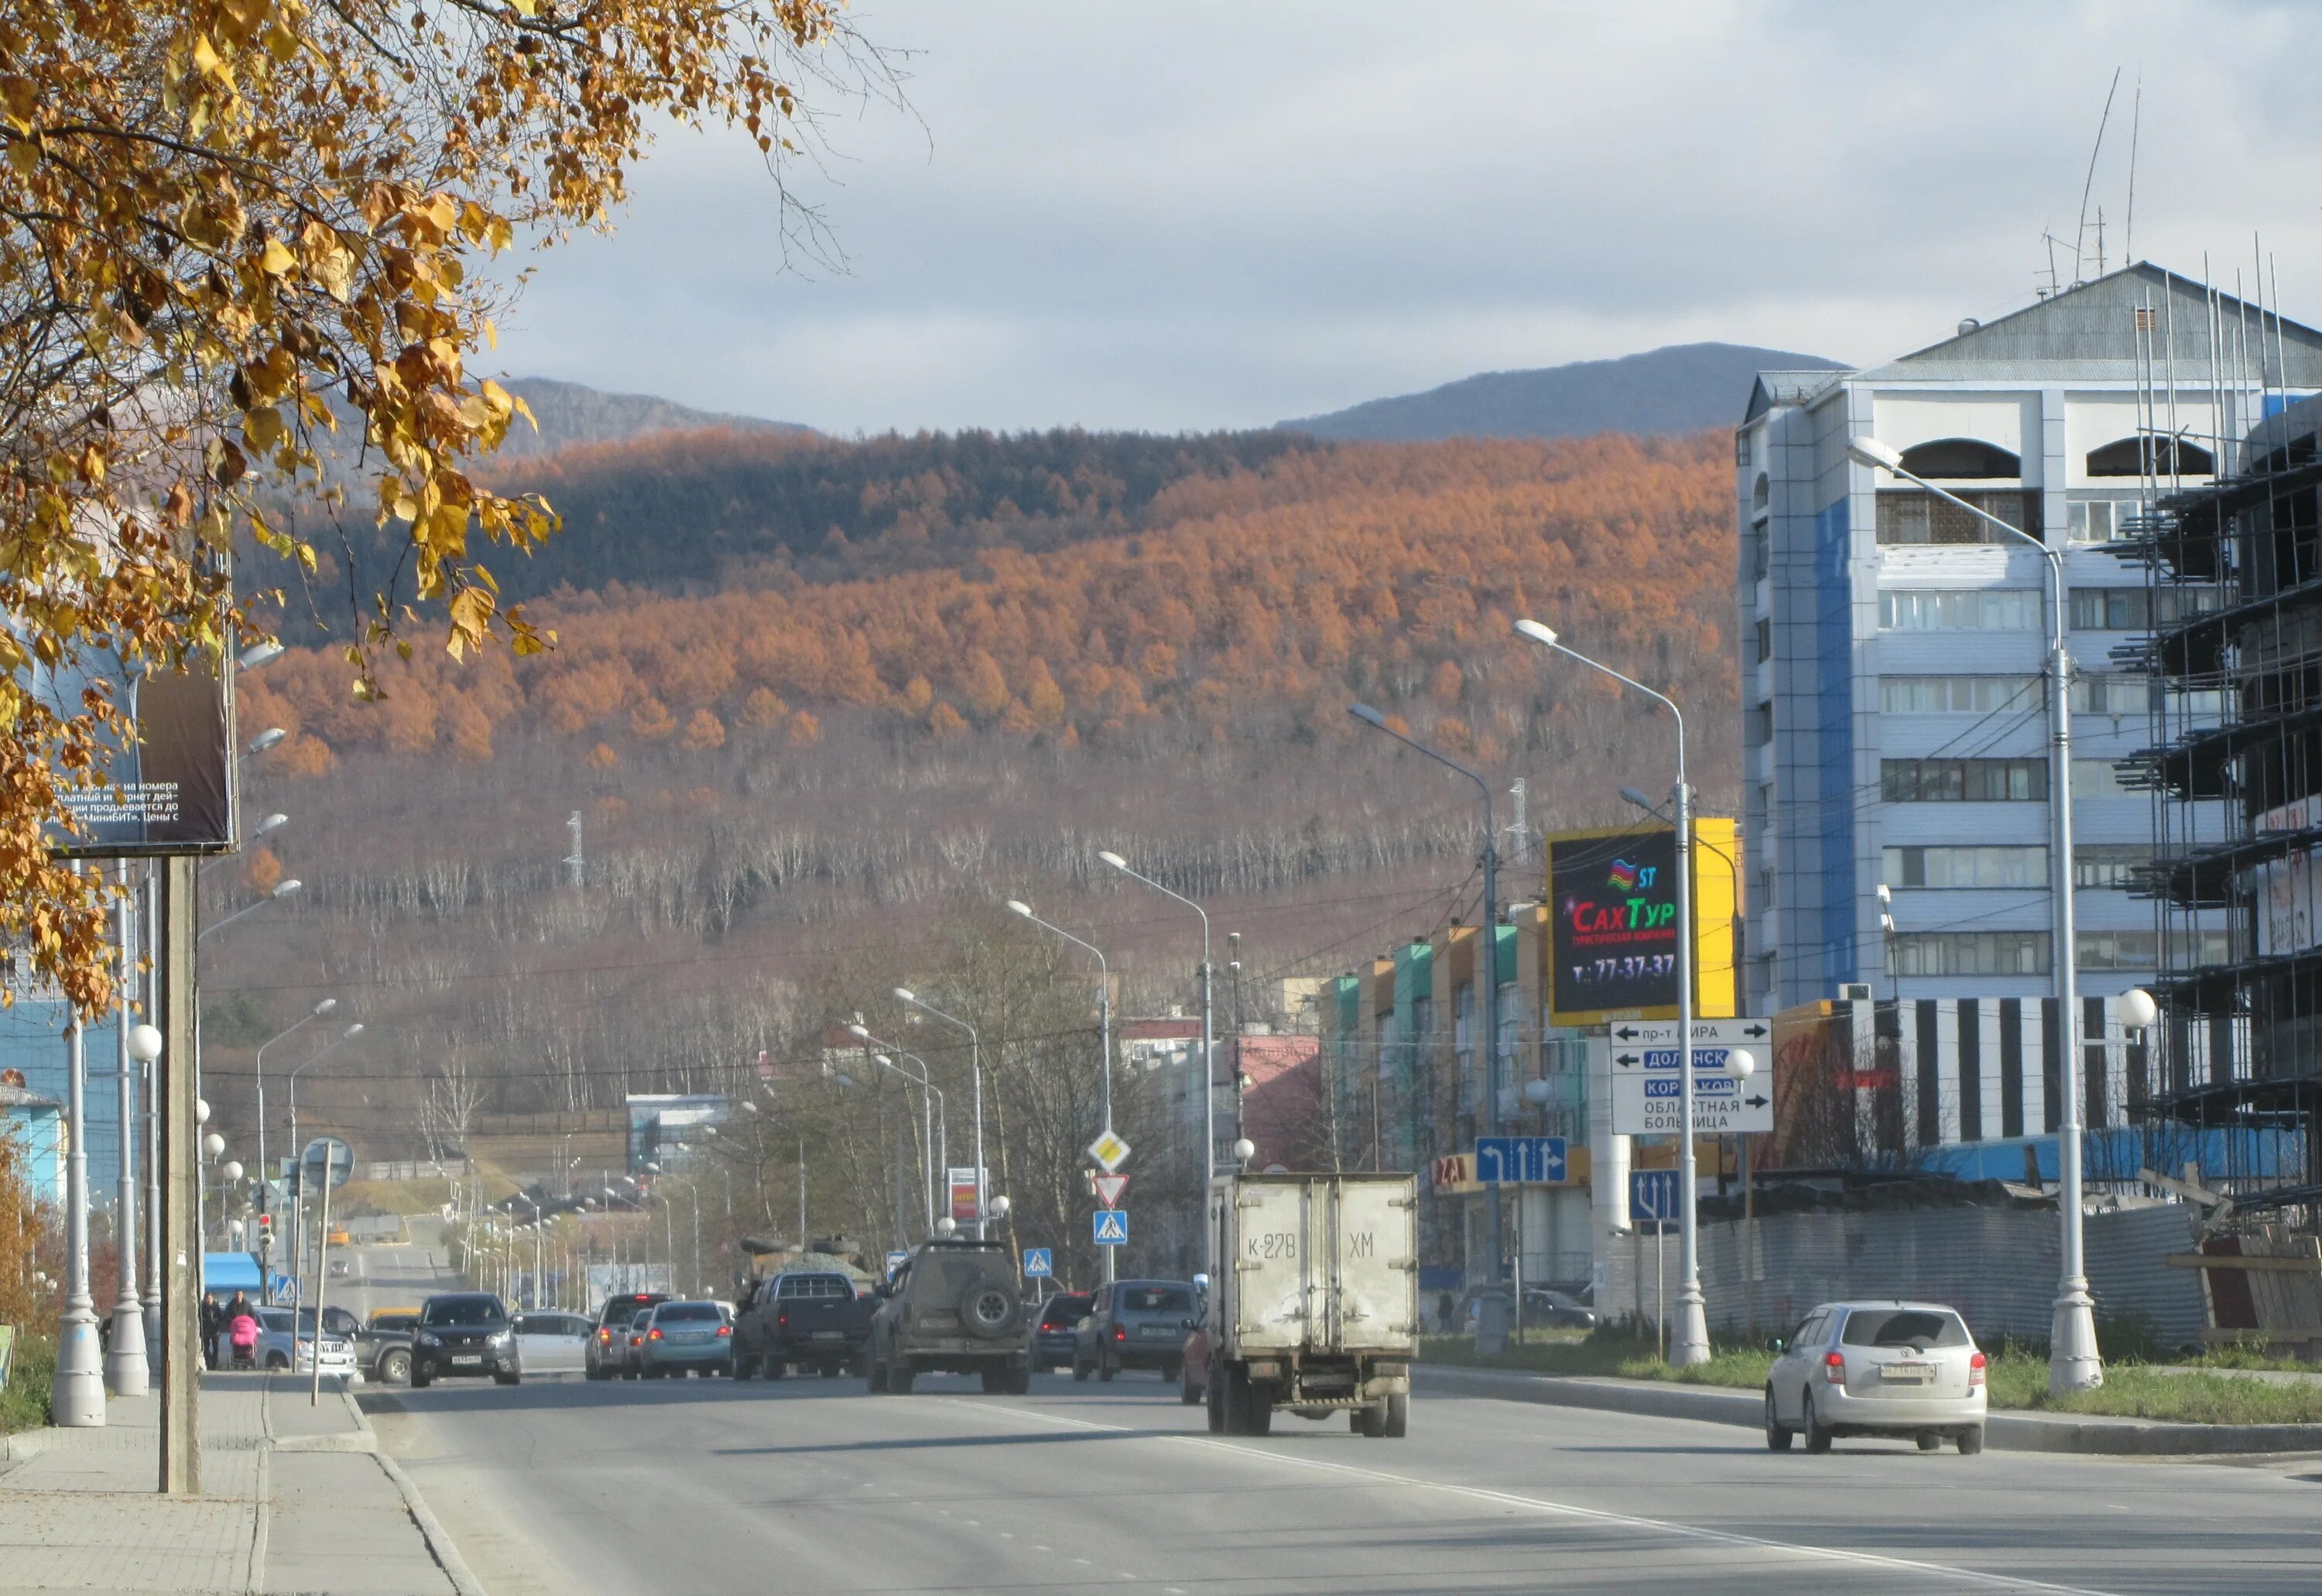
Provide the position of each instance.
(2089, 333)
(19, 1097)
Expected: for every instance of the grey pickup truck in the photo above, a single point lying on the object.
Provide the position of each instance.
(817, 1318)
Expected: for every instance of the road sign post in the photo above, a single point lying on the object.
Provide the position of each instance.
(1111, 1228)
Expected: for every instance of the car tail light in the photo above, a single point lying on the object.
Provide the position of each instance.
(782, 1321)
(604, 1334)
(1834, 1368)
(1976, 1364)
(654, 1334)
(724, 1329)
(1120, 1333)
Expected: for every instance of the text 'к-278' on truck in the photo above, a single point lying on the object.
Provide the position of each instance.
(1314, 1306)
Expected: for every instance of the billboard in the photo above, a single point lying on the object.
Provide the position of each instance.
(168, 786)
(961, 1184)
(1613, 923)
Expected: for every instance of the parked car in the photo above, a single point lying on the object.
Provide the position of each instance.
(463, 1333)
(1543, 1309)
(1054, 1333)
(1878, 1369)
(1134, 1324)
(608, 1349)
(679, 1337)
(551, 1343)
(286, 1341)
(383, 1345)
(951, 1308)
(817, 1318)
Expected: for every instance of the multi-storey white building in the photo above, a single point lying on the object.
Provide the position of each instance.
(1892, 645)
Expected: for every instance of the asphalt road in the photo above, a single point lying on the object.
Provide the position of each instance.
(814, 1485)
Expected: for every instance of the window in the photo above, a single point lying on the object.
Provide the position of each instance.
(1914, 1328)
(1760, 491)
(2098, 520)
(2098, 778)
(2118, 950)
(1967, 866)
(2107, 864)
(2150, 457)
(2098, 692)
(1155, 1300)
(1962, 781)
(1972, 953)
(1956, 695)
(1765, 639)
(1906, 516)
(1973, 609)
(2137, 609)
(1762, 723)
(1957, 458)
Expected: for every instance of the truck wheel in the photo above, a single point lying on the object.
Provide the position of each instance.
(1232, 1387)
(1258, 1407)
(772, 1368)
(995, 1381)
(1370, 1422)
(1214, 1399)
(1397, 1419)
(899, 1381)
(1020, 1382)
(745, 1368)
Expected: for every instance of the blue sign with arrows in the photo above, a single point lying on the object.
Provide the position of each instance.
(1653, 1196)
(1037, 1263)
(1514, 1159)
(1111, 1228)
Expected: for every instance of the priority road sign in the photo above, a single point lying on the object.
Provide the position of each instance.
(1511, 1160)
(1111, 1228)
(1109, 1150)
(1108, 1188)
(1037, 1264)
(1653, 1196)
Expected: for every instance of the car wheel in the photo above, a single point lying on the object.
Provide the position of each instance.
(1021, 1384)
(395, 1366)
(875, 1377)
(514, 1379)
(1105, 1371)
(1172, 1369)
(1929, 1441)
(1397, 1420)
(899, 1381)
(994, 1381)
(628, 1373)
(1188, 1393)
(1971, 1441)
(275, 1359)
(1778, 1436)
(774, 1369)
(745, 1368)
(1080, 1369)
(421, 1379)
(1817, 1438)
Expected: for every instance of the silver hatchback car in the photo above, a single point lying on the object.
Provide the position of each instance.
(1878, 1369)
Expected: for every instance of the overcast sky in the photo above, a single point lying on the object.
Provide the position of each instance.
(1173, 215)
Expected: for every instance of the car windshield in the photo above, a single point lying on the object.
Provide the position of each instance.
(687, 1313)
(1903, 1326)
(1157, 1299)
(1065, 1311)
(461, 1310)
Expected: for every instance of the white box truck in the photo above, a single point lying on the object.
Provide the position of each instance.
(1314, 1302)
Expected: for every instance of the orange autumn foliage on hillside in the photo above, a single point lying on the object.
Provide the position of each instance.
(1391, 570)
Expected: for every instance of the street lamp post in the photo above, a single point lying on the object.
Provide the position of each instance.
(932, 1099)
(1209, 1041)
(1690, 1343)
(77, 1391)
(1104, 1032)
(127, 1373)
(265, 1179)
(975, 1065)
(1489, 955)
(289, 889)
(2074, 1361)
(299, 1198)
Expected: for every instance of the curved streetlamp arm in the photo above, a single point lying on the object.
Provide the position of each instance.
(1377, 722)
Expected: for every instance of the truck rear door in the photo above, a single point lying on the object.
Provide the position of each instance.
(1370, 1295)
(1271, 1273)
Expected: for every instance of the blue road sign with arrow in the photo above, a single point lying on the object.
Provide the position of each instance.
(1512, 1160)
(1111, 1228)
(1653, 1196)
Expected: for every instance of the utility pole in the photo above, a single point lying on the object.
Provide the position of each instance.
(574, 861)
(126, 1371)
(181, 1210)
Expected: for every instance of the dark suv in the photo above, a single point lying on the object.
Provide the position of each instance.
(952, 1309)
(609, 1343)
(1053, 1338)
(1135, 1324)
(463, 1333)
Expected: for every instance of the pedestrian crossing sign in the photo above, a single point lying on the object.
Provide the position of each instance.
(1111, 1228)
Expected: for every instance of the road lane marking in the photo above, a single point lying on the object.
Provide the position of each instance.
(1540, 1504)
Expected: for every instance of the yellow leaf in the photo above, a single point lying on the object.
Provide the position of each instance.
(205, 56)
(262, 429)
(277, 261)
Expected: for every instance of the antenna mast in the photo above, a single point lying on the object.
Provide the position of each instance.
(2080, 233)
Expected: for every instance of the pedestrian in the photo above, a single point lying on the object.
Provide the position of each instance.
(1446, 1310)
(213, 1321)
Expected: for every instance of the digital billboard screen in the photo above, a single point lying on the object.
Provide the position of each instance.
(1612, 924)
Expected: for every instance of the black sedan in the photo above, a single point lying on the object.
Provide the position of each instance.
(1052, 1333)
(463, 1333)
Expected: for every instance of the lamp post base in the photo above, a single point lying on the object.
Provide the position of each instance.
(2074, 1364)
(1689, 1332)
(77, 1393)
(126, 1372)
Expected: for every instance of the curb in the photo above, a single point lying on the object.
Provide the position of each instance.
(24, 1444)
(2008, 1432)
(431, 1528)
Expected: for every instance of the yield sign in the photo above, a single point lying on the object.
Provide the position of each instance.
(1109, 1189)
(1109, 1150)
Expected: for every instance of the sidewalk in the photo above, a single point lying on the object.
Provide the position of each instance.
(296, 1498)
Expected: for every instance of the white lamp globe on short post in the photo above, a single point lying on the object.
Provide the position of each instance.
(1243, 1150)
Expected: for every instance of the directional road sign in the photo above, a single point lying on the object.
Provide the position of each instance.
(1756, 1035)
(1111, 1228)
(1510, 1160)
(1037, 1264)
(1649, 1089)
(1108, 1188)
(1653, 1196)
(1109, 1150)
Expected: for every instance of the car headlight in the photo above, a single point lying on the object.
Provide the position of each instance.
(501, 1339)
(425, 1339)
